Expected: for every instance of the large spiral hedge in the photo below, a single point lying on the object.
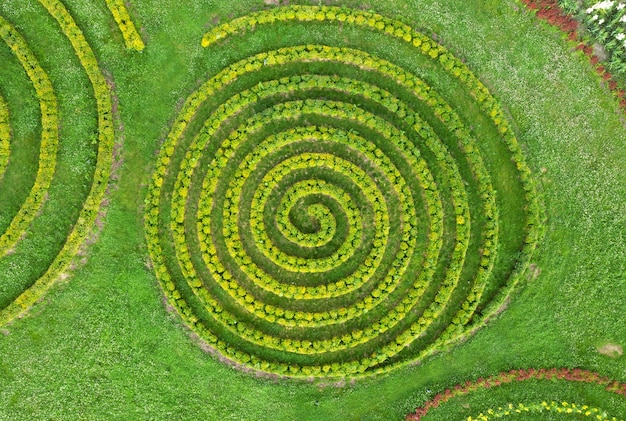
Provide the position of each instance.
(321, 210)
(26, 270)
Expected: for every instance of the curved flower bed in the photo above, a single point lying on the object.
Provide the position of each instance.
(49, 136)
(566, 409)
(515, 376)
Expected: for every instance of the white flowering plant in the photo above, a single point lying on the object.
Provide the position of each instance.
(605, 23)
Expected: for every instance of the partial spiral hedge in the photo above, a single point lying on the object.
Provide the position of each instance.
(318, 210)
(24, 231)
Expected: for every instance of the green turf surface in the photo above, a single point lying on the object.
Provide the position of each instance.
(102, 344)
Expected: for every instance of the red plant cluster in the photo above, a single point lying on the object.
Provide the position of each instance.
(566, 374)
(551, 12)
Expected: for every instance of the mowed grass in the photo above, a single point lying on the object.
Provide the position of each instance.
(103, 346)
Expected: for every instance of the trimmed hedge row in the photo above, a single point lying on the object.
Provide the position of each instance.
(5, 136)
(236, 290)
(49, 136)
(210, 188)
(106, 137)
(243, 256)
(422, 43)
(295, 109)
(319, 226)
(262, 232)
(132, 39)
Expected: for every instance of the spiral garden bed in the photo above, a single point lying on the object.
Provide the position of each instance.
(316, 192)
(334, 215)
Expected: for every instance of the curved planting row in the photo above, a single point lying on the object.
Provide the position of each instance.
(565, 409)
(319, 210)
(132, 39)
(5, 136)
(25, 231)
(551, 376)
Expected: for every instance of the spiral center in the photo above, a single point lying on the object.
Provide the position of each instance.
(313, 221)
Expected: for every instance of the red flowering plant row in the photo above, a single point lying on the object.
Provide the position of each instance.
(565, 374)
(552, 12)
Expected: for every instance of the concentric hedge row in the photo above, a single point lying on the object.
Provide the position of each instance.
(318, 210)
(49, 136)
(24, 224)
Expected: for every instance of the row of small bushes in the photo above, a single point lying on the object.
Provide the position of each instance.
(365, 271)
(543, 407)
(219, 155)
(451, 64)
(132, 39)
(319, 226)
(422, 43)
(5, 136)
(263, 232)
(293, 110)
(370, 263)
(238, 290)
(106, 137)
(309, 14)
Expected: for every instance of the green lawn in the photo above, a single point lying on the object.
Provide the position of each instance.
(104, 344)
